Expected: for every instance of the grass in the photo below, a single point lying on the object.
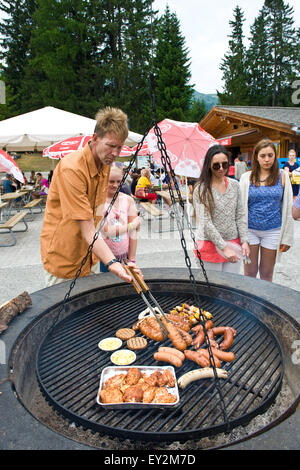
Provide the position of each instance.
(36, 162)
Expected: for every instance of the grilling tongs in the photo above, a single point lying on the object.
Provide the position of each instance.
(144, 291)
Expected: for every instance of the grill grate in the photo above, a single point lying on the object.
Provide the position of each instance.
(69, 366)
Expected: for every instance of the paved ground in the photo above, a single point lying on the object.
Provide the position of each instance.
(21, 267)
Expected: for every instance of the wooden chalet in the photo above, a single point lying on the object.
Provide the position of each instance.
(241, 127)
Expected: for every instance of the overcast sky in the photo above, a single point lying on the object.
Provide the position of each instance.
(205, 26)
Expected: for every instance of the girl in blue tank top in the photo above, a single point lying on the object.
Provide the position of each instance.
(267, 186)
(264, 206)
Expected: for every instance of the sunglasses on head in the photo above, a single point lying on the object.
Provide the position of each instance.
(216, 166)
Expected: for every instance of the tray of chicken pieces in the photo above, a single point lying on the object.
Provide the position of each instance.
(124, 387)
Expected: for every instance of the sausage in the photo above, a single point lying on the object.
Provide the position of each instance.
(199, 339)
(167, 357)
(175, 337)
(209, 324)
(228, 333)
(226, 356)
(219, 330)
(150, 332)
(228, 339)
(197, 328)
(185, 335)
(174, 351)
(153, 323)
(196, 357)
(197, 374)
(205, 353)
(183, 323)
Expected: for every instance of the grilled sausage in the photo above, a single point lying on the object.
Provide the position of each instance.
(196, 357)
(205, 353)
(174, 351)
(228, 333)
(228, 339)
(167, 357)
(185, 335)
(226, 356)
(199, 338)
(175, 337)
(183, 323)
(198, 374)
(197, 328)
(148, 330)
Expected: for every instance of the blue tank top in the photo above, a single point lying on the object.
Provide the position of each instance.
(264, 206)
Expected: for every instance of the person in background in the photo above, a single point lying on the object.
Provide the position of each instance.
(135, 176)
(9, 186)
(32, 177)
(41, 187)
(240, 167)
(143, 187)
(120, 229)
(267, 200)
(221, 235)
(126, 185)
(75, 205)
(289, 167)
(296, 208)
(231, 171)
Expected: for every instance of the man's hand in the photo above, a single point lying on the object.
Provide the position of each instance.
(118, 270)
(135, 268)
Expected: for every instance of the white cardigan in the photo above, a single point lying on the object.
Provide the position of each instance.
(287, 225)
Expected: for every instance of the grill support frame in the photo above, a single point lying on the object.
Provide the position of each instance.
(44, 310)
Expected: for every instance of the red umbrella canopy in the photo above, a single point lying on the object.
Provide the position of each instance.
(127, 151)
(186, 144)
(62, 148)
(8, 165)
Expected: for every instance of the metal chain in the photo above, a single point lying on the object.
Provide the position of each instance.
(166, 162)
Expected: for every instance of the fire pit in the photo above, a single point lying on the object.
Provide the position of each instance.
(66, 363)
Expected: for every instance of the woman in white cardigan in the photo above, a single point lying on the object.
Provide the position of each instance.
(267, 199)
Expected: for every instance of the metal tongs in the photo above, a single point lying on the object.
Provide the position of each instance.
(144, 291)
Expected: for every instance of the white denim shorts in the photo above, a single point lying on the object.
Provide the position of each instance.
(265, 238)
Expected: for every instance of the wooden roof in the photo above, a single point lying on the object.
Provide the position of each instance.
(278, 118)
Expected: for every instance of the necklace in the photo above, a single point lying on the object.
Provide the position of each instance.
(262, 181)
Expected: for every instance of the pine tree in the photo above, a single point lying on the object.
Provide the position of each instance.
(15, 30)
(60, 71)
(233, 65)
(172, 69)
(197, 110)
(284, 49)
(259, 60)
(127, 58)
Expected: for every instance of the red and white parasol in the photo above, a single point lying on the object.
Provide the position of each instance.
(62, 148)
(127, 151)
(66, 146)
(8, 165)
(186, 144)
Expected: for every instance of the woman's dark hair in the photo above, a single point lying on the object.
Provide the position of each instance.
(255, 166)
(204, 182)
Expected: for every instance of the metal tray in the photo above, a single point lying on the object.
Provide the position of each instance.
(114, 370)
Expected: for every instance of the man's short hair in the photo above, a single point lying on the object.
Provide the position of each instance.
(111, 120)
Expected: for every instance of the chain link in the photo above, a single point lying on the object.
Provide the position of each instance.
(166, 162)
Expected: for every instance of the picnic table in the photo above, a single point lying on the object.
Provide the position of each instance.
(12, 197)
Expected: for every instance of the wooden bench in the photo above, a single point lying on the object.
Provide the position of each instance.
(9, 225)
(35, 202)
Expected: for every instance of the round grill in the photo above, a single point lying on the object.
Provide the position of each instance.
(69, 365)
